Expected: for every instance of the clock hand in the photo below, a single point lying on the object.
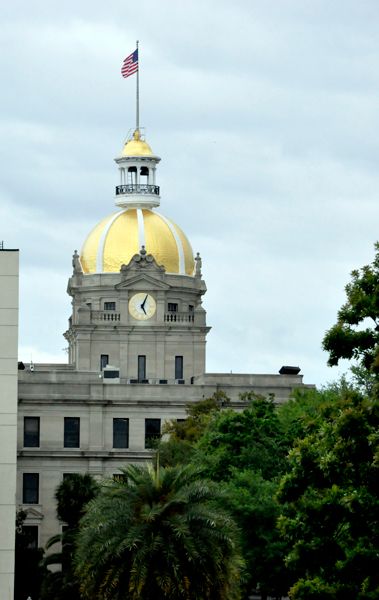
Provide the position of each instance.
(143, 304)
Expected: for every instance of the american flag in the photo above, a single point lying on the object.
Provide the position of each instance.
(130, 65)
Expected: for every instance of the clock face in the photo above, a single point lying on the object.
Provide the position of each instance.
(142, 306)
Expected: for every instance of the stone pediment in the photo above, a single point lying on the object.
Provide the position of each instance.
(145, 278)
(33, 513)
(144, 267)
(142, 262)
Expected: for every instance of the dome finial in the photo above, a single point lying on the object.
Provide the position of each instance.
(137, 135)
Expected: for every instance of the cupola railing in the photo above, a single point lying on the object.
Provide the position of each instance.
(137, 188)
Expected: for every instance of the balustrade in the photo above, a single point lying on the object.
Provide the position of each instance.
(137, 188)
(179, 317)
(100, 315)
(112, 317)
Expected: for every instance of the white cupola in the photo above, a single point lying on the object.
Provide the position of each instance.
(137, 165)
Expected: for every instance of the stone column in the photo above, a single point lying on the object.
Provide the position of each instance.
(8, 415)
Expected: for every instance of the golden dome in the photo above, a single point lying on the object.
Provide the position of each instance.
(118, 237)
(137, 147)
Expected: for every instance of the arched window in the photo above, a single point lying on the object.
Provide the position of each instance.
(144, 175)
(132, 175)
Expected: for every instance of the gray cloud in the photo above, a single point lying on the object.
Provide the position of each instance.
(265, 115)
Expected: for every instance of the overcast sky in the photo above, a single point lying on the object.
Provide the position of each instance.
(265, 114)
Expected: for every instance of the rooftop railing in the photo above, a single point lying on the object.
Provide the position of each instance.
(137, 188)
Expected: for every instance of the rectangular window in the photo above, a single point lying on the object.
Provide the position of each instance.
(31, 432)
(109, 305)
(141, 368)
(71, 432)
(190, 307)
(104, 360)
(30, 488)
(178, 367)
(31, 532)
(120, 433)
(152, 431)
(172, 307)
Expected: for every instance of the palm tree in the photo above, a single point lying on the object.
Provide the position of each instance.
(72, 495)
(158, 535)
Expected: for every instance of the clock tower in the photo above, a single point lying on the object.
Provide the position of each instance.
(136, 287)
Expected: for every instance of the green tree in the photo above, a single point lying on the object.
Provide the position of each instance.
(158, 535)
(252, 439)
(179, 449)
(332, 498)
(245, 452)
(352, 337)
(72, 496)
(304, 407)
(251, 500)
(28, 572)
(363, 380)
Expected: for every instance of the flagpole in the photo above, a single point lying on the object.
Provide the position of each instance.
(137, 93)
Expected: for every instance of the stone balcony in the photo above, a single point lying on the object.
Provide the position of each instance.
(137, 188)
(101, 315)
(111, 317)
(179, 317)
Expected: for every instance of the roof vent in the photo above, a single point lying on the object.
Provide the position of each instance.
(289, 370)
(111, 374)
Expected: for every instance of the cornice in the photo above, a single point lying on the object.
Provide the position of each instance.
(78, 453)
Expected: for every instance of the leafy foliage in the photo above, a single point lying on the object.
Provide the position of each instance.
(245, 453)
(72, 496)
(158, 535)
(250, 499)
(302, 411)
(73, 493)
(61, 584)
(347, 338)
(179, 449)
(28, 574)
(332, 492)
(249, 440)
(363, 380)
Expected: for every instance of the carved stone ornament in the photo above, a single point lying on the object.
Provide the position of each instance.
(142, 261)
(76, 264)
(198, 265)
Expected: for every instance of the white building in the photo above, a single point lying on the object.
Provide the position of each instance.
(137, 338)
(8, 415)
